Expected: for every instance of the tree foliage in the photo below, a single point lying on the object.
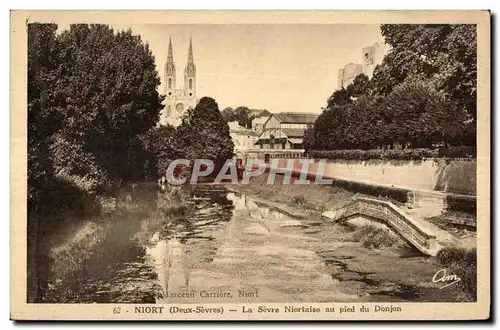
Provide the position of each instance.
(204, 134)
(92, 94)
(108, 93)
(443, 53)
(422, 94)
(43, 120)
(243, 115)
(162, 142)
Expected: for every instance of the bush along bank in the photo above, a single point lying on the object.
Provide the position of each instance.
(397, 194)
(396, 154)
(462, 263)
(458, 203)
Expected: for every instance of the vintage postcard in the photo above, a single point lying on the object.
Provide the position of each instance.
(250, 165)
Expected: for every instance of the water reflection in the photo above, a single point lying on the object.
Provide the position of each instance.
(206, 246)
(245, 247)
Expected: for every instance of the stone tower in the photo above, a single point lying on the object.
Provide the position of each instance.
(178, 100)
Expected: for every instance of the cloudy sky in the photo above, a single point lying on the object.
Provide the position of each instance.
(279, 67)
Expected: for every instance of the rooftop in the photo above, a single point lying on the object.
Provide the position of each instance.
(296, 117)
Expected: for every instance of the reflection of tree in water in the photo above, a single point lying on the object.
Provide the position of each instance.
(185, 217)
(188, 233)
(111, 264)
(104, 261)
(122, 276)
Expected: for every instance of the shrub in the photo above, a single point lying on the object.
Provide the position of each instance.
(298, 200)
(395, 154)
(401, 195)
(465, 204)
(463, 263)
(458, 152)
(387, 154)
(374, 237)
(63, 198)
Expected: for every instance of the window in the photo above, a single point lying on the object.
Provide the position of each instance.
(169, 82)
(190, 83)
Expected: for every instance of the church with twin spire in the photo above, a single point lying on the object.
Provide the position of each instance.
(178, 100)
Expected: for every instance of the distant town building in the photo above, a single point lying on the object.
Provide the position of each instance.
(373, 56)
(348, 73)
(258, 124)
(178, 100)
(244, 140)
(285, 131)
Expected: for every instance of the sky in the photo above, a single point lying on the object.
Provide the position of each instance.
(279, 67)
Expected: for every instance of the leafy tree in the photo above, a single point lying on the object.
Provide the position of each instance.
(359, 86)
(228, 114)
(204, 133)
(43, 120)
(107, 92)
(163, 143)
(339, 98)
(444, 53)
(243, 116)
(309, 139)
(418, 114)
(423, 93)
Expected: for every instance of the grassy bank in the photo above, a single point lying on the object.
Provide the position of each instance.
(313, 198)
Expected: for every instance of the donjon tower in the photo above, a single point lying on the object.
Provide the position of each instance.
(178, 100)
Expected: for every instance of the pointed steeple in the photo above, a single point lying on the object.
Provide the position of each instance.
(170, 57)
(190, 70)
(170, 67)
(190, 53)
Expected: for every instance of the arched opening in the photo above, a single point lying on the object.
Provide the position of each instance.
(190, 83)
(169, 82)
(179, 108)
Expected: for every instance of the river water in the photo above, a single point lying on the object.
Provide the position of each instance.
(225, 247)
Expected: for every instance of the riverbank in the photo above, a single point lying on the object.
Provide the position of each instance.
(74, 258)
(377, 247)
(310, 199)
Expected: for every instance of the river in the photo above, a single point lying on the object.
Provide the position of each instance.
(225, 247)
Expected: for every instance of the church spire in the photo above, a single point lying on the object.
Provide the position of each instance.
(190, 53)
(190, 70)
(170, 57)
(170, 68)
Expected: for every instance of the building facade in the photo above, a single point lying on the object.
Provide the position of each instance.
(373, 56)
(244, 140)
(348, 73)
(258, 124)
(285, 131)
(178, 100)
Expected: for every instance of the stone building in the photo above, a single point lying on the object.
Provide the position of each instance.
(178, 99)
(348, 73)
(244, 142)
(373, 56)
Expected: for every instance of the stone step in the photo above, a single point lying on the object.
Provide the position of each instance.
(414, 231)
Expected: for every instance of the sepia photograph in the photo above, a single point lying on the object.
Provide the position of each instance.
(270, 169)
